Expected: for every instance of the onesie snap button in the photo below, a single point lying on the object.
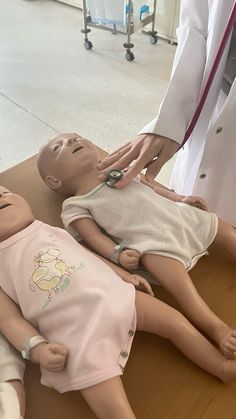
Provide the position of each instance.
(131, 333)
(219, 129)
(124, 354)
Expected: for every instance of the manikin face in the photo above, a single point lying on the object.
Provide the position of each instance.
(15, 214)
(65, 158)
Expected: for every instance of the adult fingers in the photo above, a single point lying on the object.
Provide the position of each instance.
(154, 167)
(123, 162)
(113, 159)
(106, 159)
(134, 170)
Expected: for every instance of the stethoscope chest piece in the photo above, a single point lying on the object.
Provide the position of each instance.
(113, 177)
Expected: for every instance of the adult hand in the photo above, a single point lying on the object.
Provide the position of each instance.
(148, 150)
(51, 356)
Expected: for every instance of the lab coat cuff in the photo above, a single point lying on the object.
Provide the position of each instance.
(168, 130)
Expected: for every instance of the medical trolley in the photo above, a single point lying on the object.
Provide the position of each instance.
(128, 28)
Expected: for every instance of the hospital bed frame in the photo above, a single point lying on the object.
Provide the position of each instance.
(128, 28)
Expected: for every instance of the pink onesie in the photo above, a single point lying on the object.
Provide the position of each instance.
(73, 298)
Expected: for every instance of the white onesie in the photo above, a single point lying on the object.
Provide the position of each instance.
(145, 221)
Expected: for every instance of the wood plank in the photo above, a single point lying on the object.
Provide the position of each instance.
(160, 382)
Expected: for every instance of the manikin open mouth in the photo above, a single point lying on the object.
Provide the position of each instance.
(4, 205)
(77, 149)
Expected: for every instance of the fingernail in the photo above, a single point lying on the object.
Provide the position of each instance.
(102, 177)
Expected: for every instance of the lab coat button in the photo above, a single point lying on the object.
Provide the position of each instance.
(202, 176)
(124, 354)
(219, 129)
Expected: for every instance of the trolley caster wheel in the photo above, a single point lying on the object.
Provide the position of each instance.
(88, 45)
(153, 39)
(129, 56)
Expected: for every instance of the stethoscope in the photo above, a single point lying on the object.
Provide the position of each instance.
(113, 177)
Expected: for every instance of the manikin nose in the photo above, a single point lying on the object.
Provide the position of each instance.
(71, 141)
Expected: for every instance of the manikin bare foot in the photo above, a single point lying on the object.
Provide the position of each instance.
(228, 345)
(228, 372)
(226, 339)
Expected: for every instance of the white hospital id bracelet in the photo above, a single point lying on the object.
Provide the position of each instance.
(114, 257)
(31, 343)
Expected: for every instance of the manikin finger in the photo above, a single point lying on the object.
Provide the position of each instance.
(230, 347)
(134, 281)
(58, 349)
(133, 259)
(147, 286)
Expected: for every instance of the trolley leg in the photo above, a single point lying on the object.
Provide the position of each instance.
(129, 54)
(154, 17)
(114, 30)
(153, 33)
(87, 44)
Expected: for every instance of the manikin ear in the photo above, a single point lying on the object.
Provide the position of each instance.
(52, 182)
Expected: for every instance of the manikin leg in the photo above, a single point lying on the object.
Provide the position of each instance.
(108, 399)
(172, 275)
(226, 238)
(156, 317)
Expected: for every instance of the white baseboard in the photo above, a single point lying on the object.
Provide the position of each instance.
(75, 3)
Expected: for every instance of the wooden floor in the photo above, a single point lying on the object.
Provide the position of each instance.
(160, 382)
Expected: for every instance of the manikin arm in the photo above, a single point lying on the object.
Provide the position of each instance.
(195, 201)
(138, 281)
(16, 329)
(103, 245)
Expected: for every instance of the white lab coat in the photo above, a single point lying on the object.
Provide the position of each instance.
(206, 166)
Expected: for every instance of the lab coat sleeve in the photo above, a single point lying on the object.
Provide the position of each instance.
(185, 84)
(11, 364)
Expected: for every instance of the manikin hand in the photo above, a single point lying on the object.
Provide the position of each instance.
(143, 149)
(129, 259)
(139, 282)
(195, 201)
(51, 356)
